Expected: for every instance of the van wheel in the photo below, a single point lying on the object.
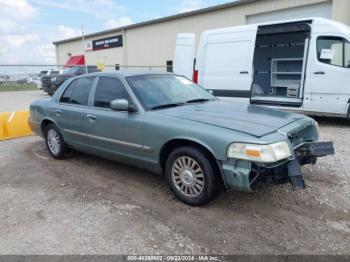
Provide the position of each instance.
(191, 176)
(55, 143)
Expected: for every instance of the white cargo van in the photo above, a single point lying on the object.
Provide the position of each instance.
(299, 65)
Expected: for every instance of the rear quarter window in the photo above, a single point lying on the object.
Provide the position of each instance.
(66, 96)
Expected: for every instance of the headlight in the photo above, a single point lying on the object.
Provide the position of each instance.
(259, 153)
(54, 79)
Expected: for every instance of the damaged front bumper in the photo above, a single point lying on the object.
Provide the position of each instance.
(241, 174)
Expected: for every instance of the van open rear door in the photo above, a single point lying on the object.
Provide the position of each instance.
(184, 55)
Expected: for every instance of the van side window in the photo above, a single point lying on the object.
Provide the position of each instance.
(347, 54)
(333, 51)
(66, 96)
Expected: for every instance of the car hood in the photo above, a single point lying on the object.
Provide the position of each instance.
(250, 119)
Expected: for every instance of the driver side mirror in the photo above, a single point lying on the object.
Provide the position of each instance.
(122, 105)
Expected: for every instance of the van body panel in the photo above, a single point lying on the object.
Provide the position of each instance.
(184, 54)
(224, 61)
(327, 86)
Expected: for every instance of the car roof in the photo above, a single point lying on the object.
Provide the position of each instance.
(127, 73)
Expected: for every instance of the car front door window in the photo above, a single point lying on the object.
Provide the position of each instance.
(109, 89)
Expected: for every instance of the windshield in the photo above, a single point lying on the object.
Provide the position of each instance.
(157, 91)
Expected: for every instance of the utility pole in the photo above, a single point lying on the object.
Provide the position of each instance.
(85, 58)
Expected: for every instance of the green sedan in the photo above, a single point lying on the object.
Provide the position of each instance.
(166, 124)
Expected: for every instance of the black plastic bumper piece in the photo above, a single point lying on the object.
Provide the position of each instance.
(315, 149)
(295, 175)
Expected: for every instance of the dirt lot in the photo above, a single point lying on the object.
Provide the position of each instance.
(93, 206)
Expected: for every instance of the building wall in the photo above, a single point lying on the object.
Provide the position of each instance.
(153, 45)
(341, 11)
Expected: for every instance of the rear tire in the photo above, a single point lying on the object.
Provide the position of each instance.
(55, 143)
(191, 175)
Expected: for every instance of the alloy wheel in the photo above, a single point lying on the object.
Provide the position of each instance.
(188, 176)
(53, 141)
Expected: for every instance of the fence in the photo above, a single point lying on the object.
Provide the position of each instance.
(26, 77)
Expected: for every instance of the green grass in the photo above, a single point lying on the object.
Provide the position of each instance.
(17, 87)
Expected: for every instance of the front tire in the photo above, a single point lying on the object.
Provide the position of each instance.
(191, 175)
(55, 143)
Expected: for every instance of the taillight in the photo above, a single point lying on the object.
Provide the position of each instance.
(195, 76)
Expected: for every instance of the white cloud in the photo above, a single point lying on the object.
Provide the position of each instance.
(18, 44)
(13, 13)
(47, 53)
(68, 32)
(100, 9)
(25, 48)
(190, 5)
(19, 41)
(121, 21)
(7, 26)
(17, 10)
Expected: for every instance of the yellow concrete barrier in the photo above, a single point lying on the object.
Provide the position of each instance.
(14, 124)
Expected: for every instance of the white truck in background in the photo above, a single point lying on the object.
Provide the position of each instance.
(301, 65)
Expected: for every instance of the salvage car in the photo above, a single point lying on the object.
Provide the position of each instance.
(167, 124)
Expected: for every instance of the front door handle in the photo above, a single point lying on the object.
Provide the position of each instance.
(319, 73)
(91, 118)
(244, 72)
(58, 113)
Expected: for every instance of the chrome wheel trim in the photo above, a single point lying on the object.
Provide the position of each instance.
(53, 141)
(188, 176)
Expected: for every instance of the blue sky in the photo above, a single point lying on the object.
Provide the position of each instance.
(28, 27)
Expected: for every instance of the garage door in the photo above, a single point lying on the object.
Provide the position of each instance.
(318, 10)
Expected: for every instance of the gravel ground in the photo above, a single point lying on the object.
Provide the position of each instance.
(88, 205)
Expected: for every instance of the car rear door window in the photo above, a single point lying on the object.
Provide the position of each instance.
(80, 95)
(66, 96)
(109, 89)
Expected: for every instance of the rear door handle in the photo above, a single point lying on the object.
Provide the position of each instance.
(58, 112)
(91, 118)
(319, 73)
(244, 72)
